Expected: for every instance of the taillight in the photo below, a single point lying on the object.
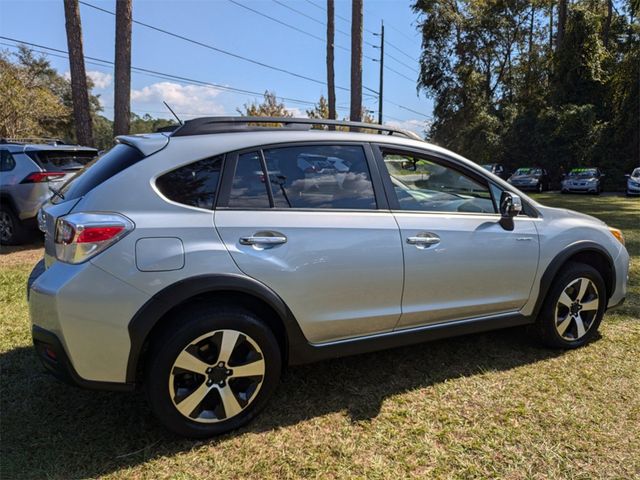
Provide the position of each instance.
(80, 236)
(41, 177)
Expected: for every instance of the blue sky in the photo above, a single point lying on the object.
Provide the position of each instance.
(226, 25)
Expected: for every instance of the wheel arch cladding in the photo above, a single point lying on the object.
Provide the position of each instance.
(155, 316)
(589, 253)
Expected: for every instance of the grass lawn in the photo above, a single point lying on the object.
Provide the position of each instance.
(490, 405)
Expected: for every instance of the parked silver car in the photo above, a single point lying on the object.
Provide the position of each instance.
(180, 263)
(633, 182)
(582, 180)
(28, 172)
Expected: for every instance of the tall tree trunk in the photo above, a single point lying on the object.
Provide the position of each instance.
(530, 62)
(551, 26)
(331, 87)
(562, 22)
(355, 114)
(122, 85)
(79, 90)
(606, 29)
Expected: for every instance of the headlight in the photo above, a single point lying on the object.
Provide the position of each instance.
(618, 234)
(592, 180)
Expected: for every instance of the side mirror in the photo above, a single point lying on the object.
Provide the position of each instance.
(627, 175)
(510, 207)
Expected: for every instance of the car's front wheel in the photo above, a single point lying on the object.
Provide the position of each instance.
(214, 372)
(574, 307)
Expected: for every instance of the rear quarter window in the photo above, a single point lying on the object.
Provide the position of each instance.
(195, 184)
(98, 170)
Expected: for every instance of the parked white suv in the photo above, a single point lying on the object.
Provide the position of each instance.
(197, 264)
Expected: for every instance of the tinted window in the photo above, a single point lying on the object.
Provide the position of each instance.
(195, 184)
(98, 170)
(249, 189)
(320, 176)
(423, 184)
(6, 161)
(51, 160)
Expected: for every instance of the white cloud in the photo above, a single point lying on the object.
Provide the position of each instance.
(185, 99)
(101, 80)
(413, 125)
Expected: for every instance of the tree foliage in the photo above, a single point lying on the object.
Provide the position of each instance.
(507, 91)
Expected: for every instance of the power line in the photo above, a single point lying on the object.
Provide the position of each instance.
(278, 21)
(308, 16)
(402, 52)
(157, 74)
(216, 49)
(200, 82)
(401, 62)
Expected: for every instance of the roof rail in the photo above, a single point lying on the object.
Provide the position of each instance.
(207, 125)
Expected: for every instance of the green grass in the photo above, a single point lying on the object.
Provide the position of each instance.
(491, 405)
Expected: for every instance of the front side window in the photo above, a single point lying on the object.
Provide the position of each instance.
(195, 184)
(422, 184)
(320, 176)
(6, 161)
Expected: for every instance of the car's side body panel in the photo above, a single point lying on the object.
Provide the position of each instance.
(337, 283)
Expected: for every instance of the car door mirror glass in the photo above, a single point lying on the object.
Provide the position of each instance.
(510, 205)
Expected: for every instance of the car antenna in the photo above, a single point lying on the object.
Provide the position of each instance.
(174, 113)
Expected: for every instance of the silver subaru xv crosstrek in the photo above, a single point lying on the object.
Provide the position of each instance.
(198, 263)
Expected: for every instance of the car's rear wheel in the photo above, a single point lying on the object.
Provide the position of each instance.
(574, 307)
(214, 372)
(12, 231)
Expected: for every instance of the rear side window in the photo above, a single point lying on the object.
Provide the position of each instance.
(195, 184)
(98, 170)
(6, 161)
(320, 176)
(51, 160)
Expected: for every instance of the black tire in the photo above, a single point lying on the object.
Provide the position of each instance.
(192, 323)
(12, 230)
(545, 327)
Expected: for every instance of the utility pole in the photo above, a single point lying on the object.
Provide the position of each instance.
(381, 72)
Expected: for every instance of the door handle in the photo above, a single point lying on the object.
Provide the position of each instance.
(264, 240)
(423, 240)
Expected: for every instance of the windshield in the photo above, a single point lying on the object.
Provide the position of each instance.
(583, 172)
(636, 173)
(528, 171)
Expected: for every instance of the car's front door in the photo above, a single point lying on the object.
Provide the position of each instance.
(314, 231)
(459, 261)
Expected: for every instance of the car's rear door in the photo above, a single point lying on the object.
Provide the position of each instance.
(322, 238)
(459, 261)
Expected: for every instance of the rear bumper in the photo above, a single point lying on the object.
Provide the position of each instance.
(54, 358)
(73, 313)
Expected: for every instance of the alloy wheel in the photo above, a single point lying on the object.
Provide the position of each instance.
(6, 226)
(216, 376)
(577, 309)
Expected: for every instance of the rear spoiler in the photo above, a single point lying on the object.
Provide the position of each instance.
(148, 143)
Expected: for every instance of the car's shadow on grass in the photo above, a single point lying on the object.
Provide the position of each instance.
(52, 430)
